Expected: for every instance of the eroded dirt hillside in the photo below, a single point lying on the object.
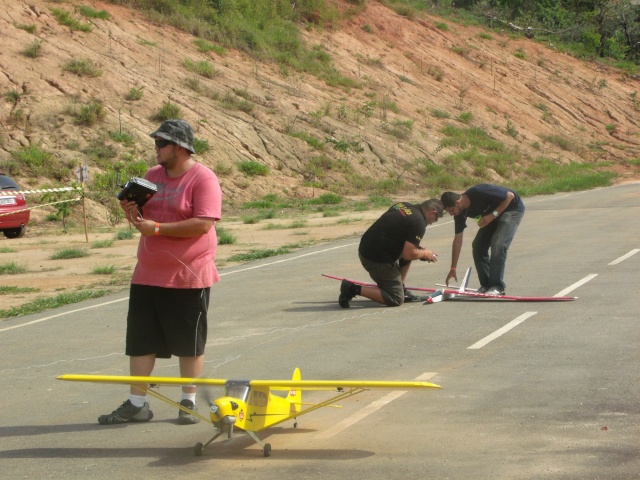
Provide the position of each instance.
(410, 74)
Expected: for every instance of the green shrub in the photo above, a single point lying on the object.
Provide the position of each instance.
(31, 28)
(125, 234)
(200, 146)
(225, 237)
(82, 68)
(33, 50)
(66, 19)
(34, 158)
(68, 253)
(90, 114)
(252, 168)
(134, 94)
(91, 13)
(11, 268)
(202, 68)
(167, 111)
(102, 243)
(103, 270)
(204, 47)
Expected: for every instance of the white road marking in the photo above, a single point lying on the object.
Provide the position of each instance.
(501, 331)
(369, 409)
(63, 314)
(624, 257)
(579, 283)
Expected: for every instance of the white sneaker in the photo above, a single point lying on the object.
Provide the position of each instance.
(495, 291)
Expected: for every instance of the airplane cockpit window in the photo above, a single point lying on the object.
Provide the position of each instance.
(238, 391)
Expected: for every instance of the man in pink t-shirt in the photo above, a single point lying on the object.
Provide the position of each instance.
(169, 295)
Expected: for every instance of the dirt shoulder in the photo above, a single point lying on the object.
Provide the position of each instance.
(49, 277)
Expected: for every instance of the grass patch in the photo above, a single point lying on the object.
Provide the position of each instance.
(205, 47)
(67, 20)
(82, 67)
(562, 142)
(30, 28)
(545, 177)
(91, 13)
(440, 113)
(125, 234)
(102, 243)
(251, 168)
(225, 237)
(470, 137)
(7, 250)
(12, 268)
(42, 304)
(264, 253)
(134, 94)
(34, 50)
(203, 68)
(67, 253)
(201, 146)
(167, 111)
(442, 26)
(88, 115)
(103, 270)
(285, 226)
(10, 290)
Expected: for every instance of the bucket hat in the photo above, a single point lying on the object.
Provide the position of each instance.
(177, 131)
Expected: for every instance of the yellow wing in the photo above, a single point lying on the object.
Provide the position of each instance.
(274, 384)
(168, 381)
(340, 384)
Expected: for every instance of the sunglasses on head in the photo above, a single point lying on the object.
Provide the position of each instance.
(161, 143)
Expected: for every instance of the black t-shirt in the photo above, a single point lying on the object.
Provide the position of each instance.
(383, 241)
(484, 199)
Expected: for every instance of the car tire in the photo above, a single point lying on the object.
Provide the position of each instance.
(15, 232)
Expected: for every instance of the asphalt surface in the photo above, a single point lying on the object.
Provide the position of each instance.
(547, 390)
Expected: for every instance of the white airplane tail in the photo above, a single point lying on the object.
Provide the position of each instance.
(464, 284)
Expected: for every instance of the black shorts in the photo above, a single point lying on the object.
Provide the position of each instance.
(167, 321)
(388, 278)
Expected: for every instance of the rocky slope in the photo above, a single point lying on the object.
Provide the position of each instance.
(409, 74)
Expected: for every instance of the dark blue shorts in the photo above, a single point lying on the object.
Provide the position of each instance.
(167, 321)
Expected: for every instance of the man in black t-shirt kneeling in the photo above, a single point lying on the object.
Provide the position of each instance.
(387, 249)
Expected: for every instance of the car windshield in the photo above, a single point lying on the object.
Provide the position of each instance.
(7, 184)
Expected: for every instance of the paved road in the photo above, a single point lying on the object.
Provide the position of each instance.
(556, 396)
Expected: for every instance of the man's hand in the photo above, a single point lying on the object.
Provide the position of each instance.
(130, 209)
(429, 256)
(452, 274)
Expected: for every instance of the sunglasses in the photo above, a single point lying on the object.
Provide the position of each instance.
(161, 143)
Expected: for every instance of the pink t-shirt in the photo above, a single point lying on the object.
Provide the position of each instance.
(176, 262)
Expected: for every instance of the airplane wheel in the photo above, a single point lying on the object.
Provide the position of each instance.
(295, 425)
(267, 450)
(198, 449)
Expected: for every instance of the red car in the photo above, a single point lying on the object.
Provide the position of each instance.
(15, 223)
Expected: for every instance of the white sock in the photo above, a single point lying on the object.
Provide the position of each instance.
(189, 396)
(137, 400)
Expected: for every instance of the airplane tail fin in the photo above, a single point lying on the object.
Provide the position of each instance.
(464, 284)
(295, 396)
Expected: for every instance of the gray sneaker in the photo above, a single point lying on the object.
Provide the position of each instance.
(410, 297)
(127, 412)
(186, 418)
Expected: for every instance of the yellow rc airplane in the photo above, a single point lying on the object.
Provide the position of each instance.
(254, 405)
